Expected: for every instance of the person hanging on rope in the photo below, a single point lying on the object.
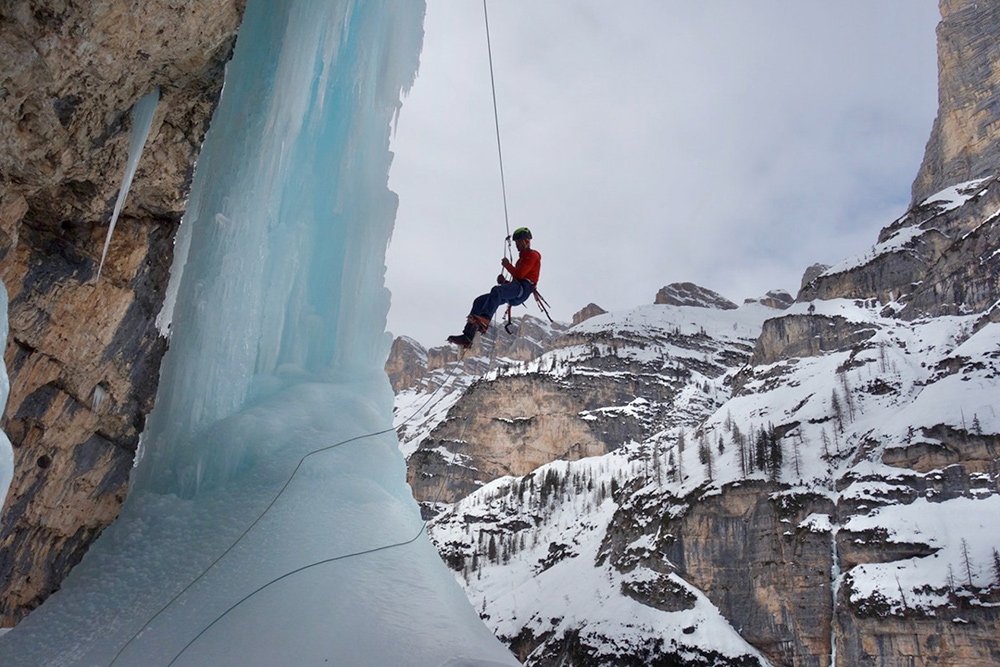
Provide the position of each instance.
(517, 290)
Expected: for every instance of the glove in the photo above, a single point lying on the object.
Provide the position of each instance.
(501, 280)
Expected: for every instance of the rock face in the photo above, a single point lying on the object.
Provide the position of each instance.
(921, 265)
(965, 141)
(794, 336)
(410, 365)
(83, 354)
(407, 363)
(508, 427)
(588, 311)
(596, 388)
(776, 298)
(736, 548)
(689, 294)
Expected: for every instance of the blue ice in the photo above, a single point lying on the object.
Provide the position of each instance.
(266, 525)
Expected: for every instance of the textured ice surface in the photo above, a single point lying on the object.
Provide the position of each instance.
(238, 545)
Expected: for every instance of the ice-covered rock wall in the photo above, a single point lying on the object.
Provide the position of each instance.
(269, 521)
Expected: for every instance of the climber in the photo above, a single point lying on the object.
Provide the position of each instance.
(524, 278)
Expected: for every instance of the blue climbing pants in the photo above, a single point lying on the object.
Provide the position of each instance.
(515, 293)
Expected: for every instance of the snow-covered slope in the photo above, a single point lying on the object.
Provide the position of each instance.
(780, 485)
(571, 559)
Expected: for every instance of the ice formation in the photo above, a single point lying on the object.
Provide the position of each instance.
(269, 521)
(142, 120)
(6, 453)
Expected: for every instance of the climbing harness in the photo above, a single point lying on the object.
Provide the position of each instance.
(281, 491)
(542, 305)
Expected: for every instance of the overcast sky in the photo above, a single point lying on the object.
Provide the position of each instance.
(727, 143)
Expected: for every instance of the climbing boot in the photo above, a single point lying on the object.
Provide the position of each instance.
(467, 336)
(480, 322)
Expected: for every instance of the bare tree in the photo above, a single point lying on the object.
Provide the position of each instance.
(967, 562)
(848, 396)
(796, 453)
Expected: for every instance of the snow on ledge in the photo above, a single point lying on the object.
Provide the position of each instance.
(946, 200)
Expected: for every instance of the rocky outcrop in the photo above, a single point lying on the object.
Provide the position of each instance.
(938, 259)
(596, 388)
(83, 354)
(740, 548)
(689, 294)
(966, 635)
(407, 363)
(588, 311)
(410, 365)
(965, 141)
(778, 299)
(784, 338)
(508, 427)
(812, 273)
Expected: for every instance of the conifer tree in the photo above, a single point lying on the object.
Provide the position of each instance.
(680, 456)
(838, 412)
(775, 456)
(761, 447)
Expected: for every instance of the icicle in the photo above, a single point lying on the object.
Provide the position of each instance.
(142, 119)
(100, 393)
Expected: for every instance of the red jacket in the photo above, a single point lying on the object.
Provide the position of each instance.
(529, 266)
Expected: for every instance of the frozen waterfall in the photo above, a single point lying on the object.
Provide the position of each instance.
(238, 545)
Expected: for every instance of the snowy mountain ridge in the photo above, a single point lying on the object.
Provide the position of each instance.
(775, 485)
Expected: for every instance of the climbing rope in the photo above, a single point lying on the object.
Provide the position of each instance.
(281, 491)
(496, 121)
(503, 184)
(288, 574)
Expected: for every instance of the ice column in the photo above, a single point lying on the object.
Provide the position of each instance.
(269, 520)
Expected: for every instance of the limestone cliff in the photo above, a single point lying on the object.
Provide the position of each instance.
(936, 260)
(83, 355)
(598, 386)
(965, 141)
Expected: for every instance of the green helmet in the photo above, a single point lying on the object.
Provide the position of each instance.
(521, 233)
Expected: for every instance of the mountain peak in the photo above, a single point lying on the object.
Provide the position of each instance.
(588, 311)
(689, 294)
